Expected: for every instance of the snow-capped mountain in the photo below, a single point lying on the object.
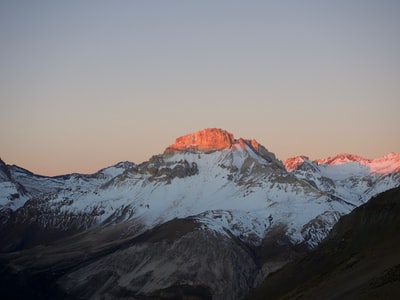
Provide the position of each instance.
(352, 178)
(234, 185)
(231, 191)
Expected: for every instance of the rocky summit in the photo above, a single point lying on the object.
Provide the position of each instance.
(214, 139)
(209, 139)
(210, 218)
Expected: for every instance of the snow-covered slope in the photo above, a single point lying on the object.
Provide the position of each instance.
(349, 177)
(233, 189)
(231, 185)
(20, 185)
(12, 193)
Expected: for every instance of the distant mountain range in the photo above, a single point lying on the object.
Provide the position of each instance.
(211, 217)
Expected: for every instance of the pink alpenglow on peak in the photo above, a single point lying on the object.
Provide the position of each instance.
(342, 159)
(215, 139)
(387, 164)
(294, 162)
(209, 139)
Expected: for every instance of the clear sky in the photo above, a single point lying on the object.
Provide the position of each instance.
(86, 84)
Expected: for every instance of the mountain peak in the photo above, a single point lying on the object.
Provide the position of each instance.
(294, 162)
(389, 163)
(4, 171)
(215, 139)
(343, 158)
(208, 139)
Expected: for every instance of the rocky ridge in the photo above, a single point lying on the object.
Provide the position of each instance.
(348, 177)
(215, 139)
(209, 139)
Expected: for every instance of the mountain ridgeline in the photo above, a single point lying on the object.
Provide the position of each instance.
(213, 217)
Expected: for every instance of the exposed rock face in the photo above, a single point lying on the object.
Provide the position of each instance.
(160, 170)
(209, 139)
(214, 139)
(294, 162)
(4, 171)
(389, 163)
(343, 158)
(383, 165)
(346, 174)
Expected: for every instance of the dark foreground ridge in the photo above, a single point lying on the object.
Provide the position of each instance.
(360, 259)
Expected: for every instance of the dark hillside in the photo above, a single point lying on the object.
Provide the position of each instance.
(360, 259)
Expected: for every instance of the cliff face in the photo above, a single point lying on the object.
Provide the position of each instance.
(209, 139)
(215, 139)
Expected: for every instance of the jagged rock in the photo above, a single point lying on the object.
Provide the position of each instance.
(209, 139)
(184, 170)
(294, 163)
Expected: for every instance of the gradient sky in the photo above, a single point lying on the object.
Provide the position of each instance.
(86, 84)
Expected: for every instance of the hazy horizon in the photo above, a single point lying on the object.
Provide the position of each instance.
(86, 84)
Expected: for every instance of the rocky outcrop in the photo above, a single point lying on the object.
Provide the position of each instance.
(293, 163)
(209, 139)
(214, 139)
(389, 163)
(158, 168)
(4, 171)
(343, 158)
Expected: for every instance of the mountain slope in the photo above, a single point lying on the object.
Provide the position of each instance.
(360, 259)
(240, 178)
(207, 195)
(168, 257)
(348, 177)
(37, 211)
